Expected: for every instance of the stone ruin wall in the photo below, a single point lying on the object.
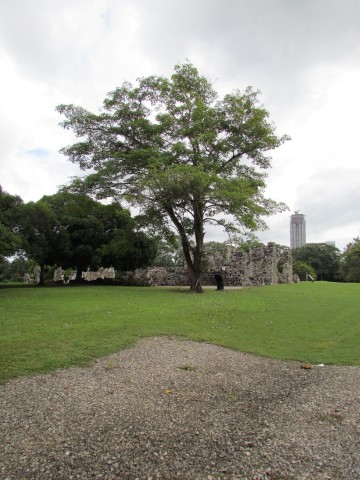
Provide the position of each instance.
(262, 265)
(162, 276)
(89, 276)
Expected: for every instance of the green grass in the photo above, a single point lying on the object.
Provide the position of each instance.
(42, 329)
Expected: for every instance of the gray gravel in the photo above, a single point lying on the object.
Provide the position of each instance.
(174, 409)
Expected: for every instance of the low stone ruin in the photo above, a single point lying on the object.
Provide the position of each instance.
(103, 273)
(34, 278)
(89, 276)
(64, 276)
(27, 278)
(261, 265)
(164, 276)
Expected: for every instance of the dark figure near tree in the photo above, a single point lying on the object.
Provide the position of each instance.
(219, 281)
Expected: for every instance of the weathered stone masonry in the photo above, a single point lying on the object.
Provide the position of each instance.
(262, 265)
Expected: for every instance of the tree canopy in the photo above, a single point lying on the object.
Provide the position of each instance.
(350, 262)
(98, 234)
(185, 157)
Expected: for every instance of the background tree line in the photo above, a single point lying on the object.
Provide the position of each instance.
(76, 232)
(72, 231)
(326, 262)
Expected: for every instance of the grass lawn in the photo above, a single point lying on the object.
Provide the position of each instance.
(42, 329)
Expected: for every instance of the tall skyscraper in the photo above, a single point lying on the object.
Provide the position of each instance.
(297, 230)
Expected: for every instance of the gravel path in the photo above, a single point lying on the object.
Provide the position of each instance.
(174, 409)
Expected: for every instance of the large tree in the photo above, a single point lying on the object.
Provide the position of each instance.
(350, 262)
(186, 158)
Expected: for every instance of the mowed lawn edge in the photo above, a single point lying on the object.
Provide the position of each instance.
(43, 329)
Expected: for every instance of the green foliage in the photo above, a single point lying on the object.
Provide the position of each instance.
(70, 230)
(171, 255)
(323, 258)
(14, 271)
(42, 330)
(303, 270)
(215, 249)
(219, 248)
(80, 218)
(248, 241)
(98, 234)
(166, 255)
(184, 157)
(10, 240)
(350, 262)
(44, 238)
(4, 269)
(129, 250)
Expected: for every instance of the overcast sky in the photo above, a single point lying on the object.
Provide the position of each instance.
(303, 55)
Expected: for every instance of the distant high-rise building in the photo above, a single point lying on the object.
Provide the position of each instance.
(297, 230)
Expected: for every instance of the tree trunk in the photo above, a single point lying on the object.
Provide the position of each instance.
(195, 280)
(192, 256)
(199, 242)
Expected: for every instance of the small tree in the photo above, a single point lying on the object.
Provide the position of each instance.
(303, 270)
(350, 262)
(185, 158)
